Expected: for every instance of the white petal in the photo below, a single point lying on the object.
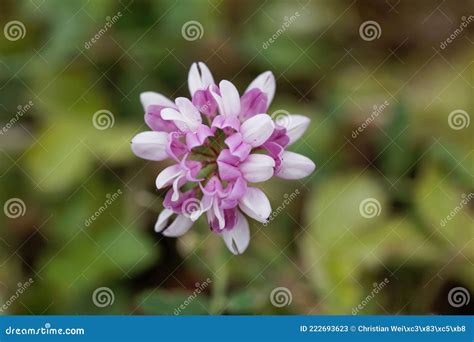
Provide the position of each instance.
(194, 79)
(266, 83)
(176, 117)
(255, 204)
(186, 117)
(219, 213)
(199, 78)
(189, 112)
(167, 176)
(206, 75)
(237, 239)
(257, 168)
(229, 100)
(196, 214)
(295, 166)
(163, 219)
(151, 98)
(176, 184)
(150, 145)
(297, 125)
(206, 202)
(256, 130)
(180, 225)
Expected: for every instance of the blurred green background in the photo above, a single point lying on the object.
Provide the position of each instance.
(327, 256)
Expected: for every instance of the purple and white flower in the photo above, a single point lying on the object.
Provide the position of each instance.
(222, 144)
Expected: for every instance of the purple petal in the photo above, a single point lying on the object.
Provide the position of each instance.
(243, 151)
(228, 165)
(212, 187)
(275, 151)
(204, 102)
(177, 205)
(194, 139)
(192, 169)
(237, 147)
(253, 102)
(228, 172)
(223, 122)
(235, 193)
(234, 141)
(176, 147)
(230, 216)
(226, 157)
(279, 137)
(154, 120)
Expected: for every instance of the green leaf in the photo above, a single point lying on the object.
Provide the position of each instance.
(248, 300)
(173, 302)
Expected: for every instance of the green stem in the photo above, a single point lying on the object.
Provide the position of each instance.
(219, 279)
(214, 150)
(203, 154)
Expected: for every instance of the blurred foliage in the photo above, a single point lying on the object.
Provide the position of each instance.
(319, 247)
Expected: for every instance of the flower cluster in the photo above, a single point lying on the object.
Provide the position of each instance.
(221, 143)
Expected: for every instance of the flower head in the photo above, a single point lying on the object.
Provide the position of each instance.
(221, 144)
